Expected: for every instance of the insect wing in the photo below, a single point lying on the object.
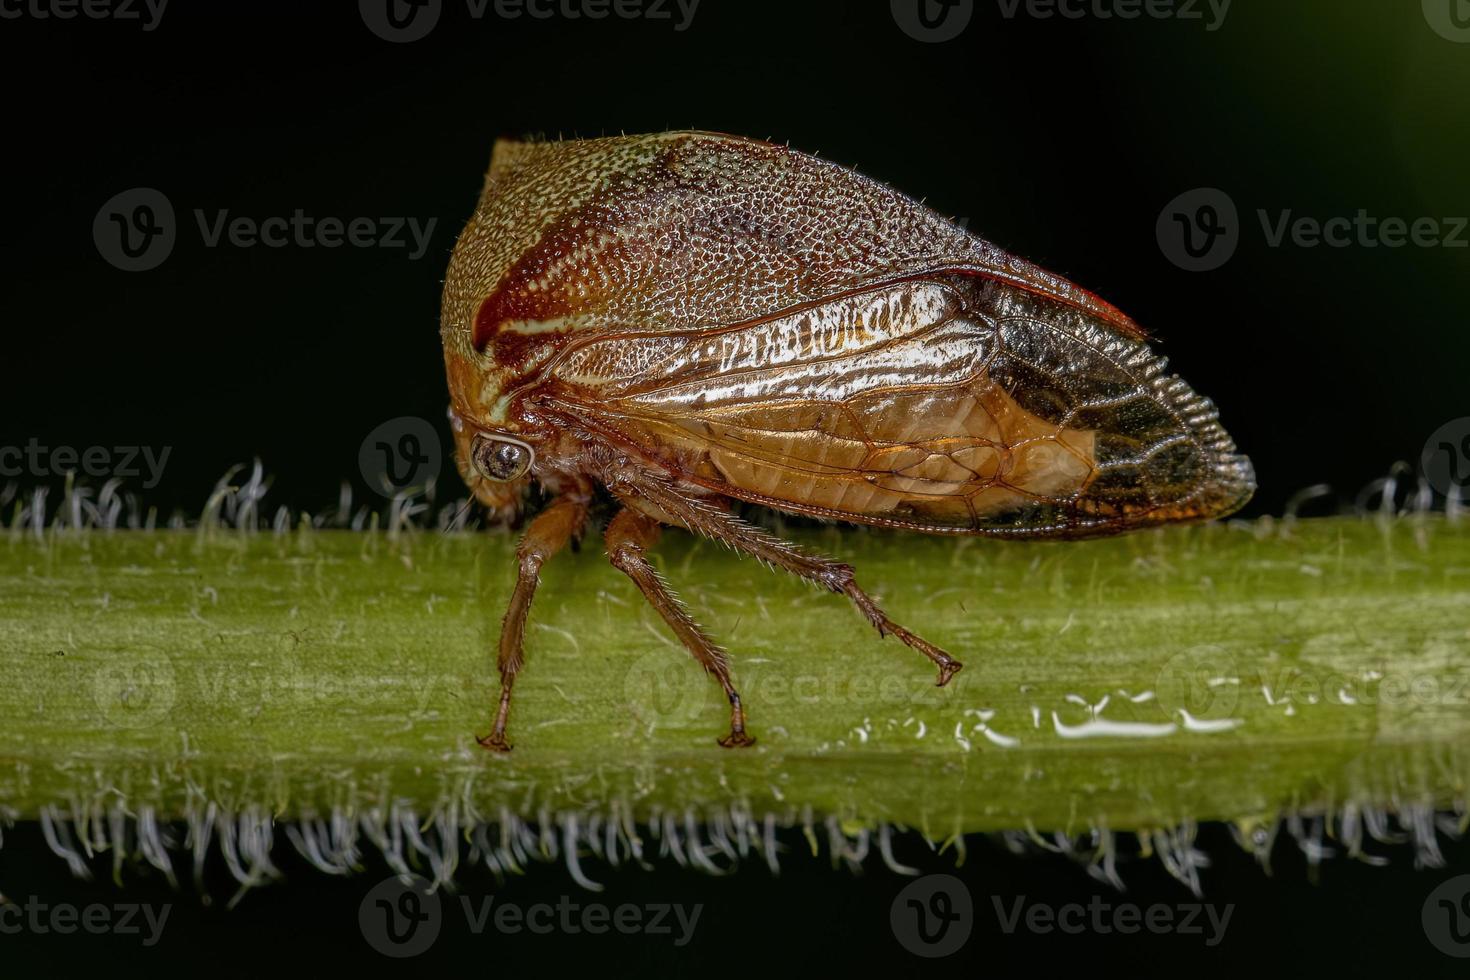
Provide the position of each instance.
(948, 403)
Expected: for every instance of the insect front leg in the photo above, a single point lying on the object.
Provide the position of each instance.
(744, 537)
(544, 537)
(629, 536)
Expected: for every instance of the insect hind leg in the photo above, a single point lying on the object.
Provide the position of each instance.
(838, 577)
(629, 536)
(722, 526)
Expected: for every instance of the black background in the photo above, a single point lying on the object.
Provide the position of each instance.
(1059, 139)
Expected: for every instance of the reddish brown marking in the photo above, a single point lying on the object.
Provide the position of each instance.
(1077, 298)
(512, 301)
(584, 290)
(531, 291)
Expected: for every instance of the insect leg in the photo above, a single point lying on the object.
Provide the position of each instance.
(722, 526)
(547, 534)
(629, 536)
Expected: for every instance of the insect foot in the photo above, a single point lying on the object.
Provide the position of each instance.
(737, 739)
(495, 742)
(946, 671)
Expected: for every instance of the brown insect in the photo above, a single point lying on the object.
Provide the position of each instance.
(689, 319)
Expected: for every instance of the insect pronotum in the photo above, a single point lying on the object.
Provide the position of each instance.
(688, 319)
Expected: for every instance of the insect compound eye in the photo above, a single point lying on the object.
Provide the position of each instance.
(500, 459)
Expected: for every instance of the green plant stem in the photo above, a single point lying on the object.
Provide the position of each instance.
(1221, 672)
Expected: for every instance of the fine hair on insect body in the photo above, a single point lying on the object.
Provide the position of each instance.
(688, 320)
